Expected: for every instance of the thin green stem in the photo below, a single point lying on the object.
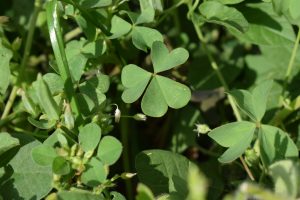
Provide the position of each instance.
(217, 70)
(124, 129)
(26, 54)
(292, 59)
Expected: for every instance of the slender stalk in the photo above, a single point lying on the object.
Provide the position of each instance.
(293, 56)
(26, 54)
(216, 68)
(124, 129)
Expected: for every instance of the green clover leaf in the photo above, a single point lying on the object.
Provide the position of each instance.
(161, 92)
(142, 37)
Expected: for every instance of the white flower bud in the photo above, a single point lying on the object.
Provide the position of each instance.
(202, 128)
(117, 115)
(140, 117)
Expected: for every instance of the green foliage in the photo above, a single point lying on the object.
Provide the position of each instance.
(161, 92)
(79, 80)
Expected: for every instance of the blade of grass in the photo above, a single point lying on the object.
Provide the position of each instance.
(57, 43)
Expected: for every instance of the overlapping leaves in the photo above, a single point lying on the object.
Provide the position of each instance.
(161, 91)
(275, 144)
(142, 37)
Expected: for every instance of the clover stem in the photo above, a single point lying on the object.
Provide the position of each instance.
(124, 129)
(28, 44)
(292, 60)
(216, 68)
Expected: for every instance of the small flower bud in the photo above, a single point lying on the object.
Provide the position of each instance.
(127, 175)
(140, 117)
(202, 128)
(88, 154)
(117, 115)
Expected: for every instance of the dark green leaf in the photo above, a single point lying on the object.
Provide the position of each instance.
(31, 180)
(61, 166)
(163, 172)
(275, 145)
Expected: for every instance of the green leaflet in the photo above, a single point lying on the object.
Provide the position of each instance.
(216, 12)
(5, 56)
(161, 92)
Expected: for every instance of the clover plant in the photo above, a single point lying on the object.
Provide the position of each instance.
(86, 86)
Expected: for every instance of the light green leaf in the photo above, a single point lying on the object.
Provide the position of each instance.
(5, 56)
(7, 142)
(135, 80)
(236, 150)
(153, 102)
(269, 30)
(232, 133)
(143, 37)
(109, 150)
(163, 92)
(164, 60)
(42, 124)
(197, 184)
(154, 4)
(146, 16)
(76, 60)
(61, 166)
(54, 82)
(286, 178)
(163, 172)
(78, 195)
(94, 49)
(95, 173)
(95, 88)
(144, 193)
(260, 96)
(216, 12)
(46, 101)
(89, 137)
(275, 145)
(289, 8)
(254, 103)
(31, 180)
(119, 27)
(230, 1)
(117, 196)
(95, 3)
(43, 155)
(176, 94)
